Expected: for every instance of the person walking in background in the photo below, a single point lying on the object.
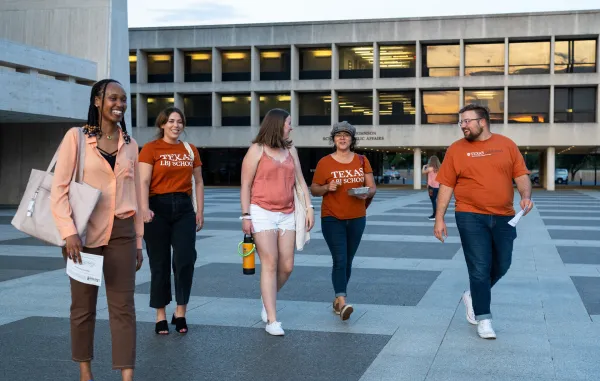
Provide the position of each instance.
(114, 231)
(168, 167)
(479, 169)
(431, 170)
(269, 172)
(343, 216)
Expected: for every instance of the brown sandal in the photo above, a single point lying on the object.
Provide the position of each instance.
(346, 311)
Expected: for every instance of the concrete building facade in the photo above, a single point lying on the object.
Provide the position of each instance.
(400, 81)
(51, 53)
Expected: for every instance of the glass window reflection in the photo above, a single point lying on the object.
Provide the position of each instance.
(198, 66)
(529, 57)
(132, 67)
(356, 62)
(397, 107)
(275, 65)
(314, 109)
(440, 107)
(356, 108)
(575, 105)
(198, 110)
(235, 110)
(155, 105)
(271, 101)
(575, 56)
(528, 105)
(235, 65)
(160, 68)
(441, 61)
(484, 59)
(397, 61)
(492, 99)
(315, 63)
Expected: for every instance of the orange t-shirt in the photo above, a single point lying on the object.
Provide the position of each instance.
(172, 166)
(481, 174)
(340, 204)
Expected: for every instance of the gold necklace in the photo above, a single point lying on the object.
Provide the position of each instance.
(109, 137)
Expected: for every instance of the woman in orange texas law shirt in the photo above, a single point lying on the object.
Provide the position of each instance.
(343, 217)
(167, 171)
(115, 228)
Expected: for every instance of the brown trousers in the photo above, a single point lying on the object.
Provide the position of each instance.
(119, 277)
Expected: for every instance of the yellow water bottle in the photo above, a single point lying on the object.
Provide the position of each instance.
(248, 248)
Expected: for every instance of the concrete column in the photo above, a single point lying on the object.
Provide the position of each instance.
(179, 66)
(254, 64)
(419, 60)
(334, 107)
(551, 108)
(417, 169)
(506, 57)
(295, 108)
(462, 58)
(142, 68)
(216, 109)
(216, 68)
(141, 105)
(552, 50)
(598, 102)
(550, 165)
(335, 62)
(375, 60)
(295, 63)
(461, 98)
(418, 107)
(506, 104)
(254, 109)
(179, 102)
(375, 107)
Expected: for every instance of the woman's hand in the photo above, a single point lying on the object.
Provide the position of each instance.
(139, 259)
(247, 227)
(332, 186)
(310, 219)
(363, 196)
(199, 221)
(74, 247)
(148, 215)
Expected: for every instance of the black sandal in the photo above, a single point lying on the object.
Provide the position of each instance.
(162, 326)
(180, 324)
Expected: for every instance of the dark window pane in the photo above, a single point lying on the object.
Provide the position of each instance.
(529, 57)
(441, 61)
(160, 68)
(397, 107)
(275, 65)
(397, 61)
(528, 105)
(575, 105)
(198, 110)
(440, 107)
(575, 56)
(484, 59)
(235, 65)
(356, 62)
(356, 108)
(155, 105)
(271, 101)
(132, 67)
(198, 67)
(235, 110)
(492, 99)
(133, 110)
(314, 109)
(315, 63)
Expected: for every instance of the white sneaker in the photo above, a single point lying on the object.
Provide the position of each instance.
(263, 313)
(274, 329)
(466, 298)
(485, 330)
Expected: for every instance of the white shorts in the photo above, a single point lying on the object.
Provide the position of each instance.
(263, 220)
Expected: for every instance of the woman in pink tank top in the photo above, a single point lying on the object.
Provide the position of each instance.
(431, 170)
(269, 171)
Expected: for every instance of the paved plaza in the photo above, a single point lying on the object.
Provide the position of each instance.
(408, 324)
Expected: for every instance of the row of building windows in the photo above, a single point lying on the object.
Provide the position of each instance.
(525, 105)
(439, 60)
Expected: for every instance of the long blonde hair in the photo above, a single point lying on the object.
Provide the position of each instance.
(434, 162)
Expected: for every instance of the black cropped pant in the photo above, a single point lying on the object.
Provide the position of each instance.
(174, 225)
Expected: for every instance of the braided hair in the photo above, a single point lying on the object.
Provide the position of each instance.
(94, 119)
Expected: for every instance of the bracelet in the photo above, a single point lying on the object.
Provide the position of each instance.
(311, 206)
(245, 217)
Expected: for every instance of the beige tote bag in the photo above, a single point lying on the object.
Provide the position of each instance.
(34, 215)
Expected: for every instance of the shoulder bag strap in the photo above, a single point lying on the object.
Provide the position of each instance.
(78, 170)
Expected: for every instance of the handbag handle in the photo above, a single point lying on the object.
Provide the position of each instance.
(78, 170)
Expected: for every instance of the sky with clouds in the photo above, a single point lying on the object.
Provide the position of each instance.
(152, 13)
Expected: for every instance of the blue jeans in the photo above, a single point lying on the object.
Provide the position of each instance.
(343, 238)
(487, 243)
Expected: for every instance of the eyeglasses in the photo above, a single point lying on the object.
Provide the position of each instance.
(466, 121)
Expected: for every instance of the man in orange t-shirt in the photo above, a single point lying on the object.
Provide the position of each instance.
(479, 169)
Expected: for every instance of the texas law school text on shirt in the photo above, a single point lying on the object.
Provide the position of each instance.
(172, 166)
(340, 204)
